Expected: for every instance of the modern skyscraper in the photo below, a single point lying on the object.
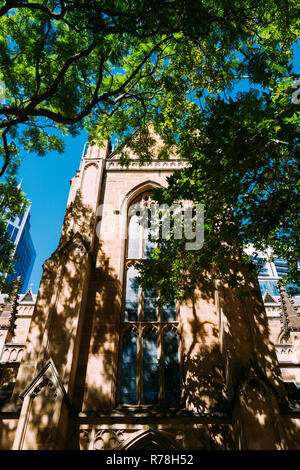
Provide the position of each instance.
(19, 230)
(270, 274)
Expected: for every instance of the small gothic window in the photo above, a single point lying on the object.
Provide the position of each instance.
(149, 359)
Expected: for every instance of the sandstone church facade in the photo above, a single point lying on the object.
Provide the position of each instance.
(105, 368)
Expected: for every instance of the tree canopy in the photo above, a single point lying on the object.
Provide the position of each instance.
(112, 66)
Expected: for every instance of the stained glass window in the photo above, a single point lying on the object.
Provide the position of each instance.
(150, 309)
(150, 372)
(129, 368)
(169, 311)
(150, 368)
(131, 297)
(134, 238)
(171, 368)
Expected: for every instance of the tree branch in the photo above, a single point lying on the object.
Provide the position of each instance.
(7, 153)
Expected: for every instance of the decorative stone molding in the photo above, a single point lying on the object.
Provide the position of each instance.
(154, 165)
(94, 437)
(89, 163)
(145, 327)
(10, 310)
(77, 245)
(46, 382)
(286, 353)
(273, 311)
(289, 315)
(171, 326)
(140, 328)
(150, 436)
(12, 353)
(47, 377)
(107, 439)
(86, 434)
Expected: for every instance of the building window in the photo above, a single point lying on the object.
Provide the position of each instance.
(270, 286)
(149, 332)
(281, 266)
(264, 267)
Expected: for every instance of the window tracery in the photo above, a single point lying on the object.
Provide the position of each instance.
(149, 359)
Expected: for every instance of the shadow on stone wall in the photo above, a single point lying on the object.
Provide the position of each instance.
(77, 316)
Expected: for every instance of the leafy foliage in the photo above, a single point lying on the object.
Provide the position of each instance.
(12, 204)
(112, 66)
(244, 169)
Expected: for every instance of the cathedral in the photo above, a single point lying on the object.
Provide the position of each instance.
(107, 367)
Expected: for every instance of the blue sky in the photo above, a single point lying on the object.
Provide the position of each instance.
(46, 181)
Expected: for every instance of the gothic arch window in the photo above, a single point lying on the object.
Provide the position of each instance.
(149, 372)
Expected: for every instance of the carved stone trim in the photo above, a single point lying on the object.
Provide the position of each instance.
(89, 163)
(139, 439)
(145, 327)
(10, 309)
(46, 382)
(171, 326)
(77, 245)
(107, 439)
(289, 315)
(154, 165)
(47, 377)
(130, 326)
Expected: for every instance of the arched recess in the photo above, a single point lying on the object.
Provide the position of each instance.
(5, 355)
(150, 440)
(259, 409)
(135, 191)
(88, 188)
(13, 355)
(124, 206)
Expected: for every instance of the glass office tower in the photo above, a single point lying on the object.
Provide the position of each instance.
(270, 274)
(19, 230)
